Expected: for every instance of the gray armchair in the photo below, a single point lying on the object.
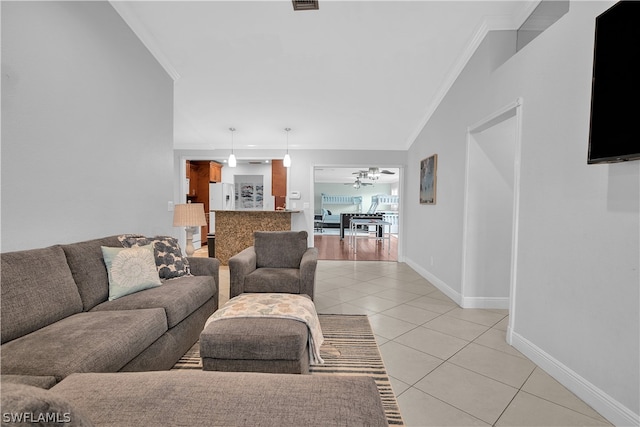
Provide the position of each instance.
(279, 261)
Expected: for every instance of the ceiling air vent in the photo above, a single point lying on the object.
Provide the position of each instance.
(305, 4)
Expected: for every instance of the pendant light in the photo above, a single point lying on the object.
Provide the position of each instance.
(287, 159)
(232, 157)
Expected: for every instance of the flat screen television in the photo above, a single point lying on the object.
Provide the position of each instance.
(614, 134)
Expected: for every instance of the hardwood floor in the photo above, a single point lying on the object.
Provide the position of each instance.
(332, 248)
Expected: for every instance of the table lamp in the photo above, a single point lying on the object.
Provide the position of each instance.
(189, 216)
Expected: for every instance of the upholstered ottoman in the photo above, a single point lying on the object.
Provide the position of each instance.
(263, 332)
(255, 344)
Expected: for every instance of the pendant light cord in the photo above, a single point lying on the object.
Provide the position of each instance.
(287, 159)
(232, 157)
(232, 131)
(287, 129)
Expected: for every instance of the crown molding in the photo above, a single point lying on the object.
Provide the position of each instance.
(489, 23)
(131, 19)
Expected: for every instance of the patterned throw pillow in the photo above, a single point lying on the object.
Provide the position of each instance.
(130, 270)
(168, 254)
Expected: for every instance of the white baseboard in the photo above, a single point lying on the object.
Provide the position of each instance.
(485, 302)
(607, 406)
(464, 302)
(442, 286)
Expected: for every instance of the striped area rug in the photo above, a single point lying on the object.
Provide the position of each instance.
(349, 348)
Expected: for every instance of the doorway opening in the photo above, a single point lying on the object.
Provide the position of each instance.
(492, 191)
(345, 192)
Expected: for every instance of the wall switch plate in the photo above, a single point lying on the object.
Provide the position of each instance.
(305, 205)
(170, 206)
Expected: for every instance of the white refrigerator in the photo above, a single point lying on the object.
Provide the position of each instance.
(221, 197)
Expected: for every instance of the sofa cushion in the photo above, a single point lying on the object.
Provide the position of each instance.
(195, 398)
(28, 405)
(279, 249)
(41, 381)
(279, 280)
(85, 342)
(37, 290)
(169, 259)
(88, 269)
(130, 270)
(254, 338)
(178, 297)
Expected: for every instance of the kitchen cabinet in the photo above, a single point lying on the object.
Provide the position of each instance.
(200, 173)
(193, 177)
(215, 172)
(279, 182)
(188, 176)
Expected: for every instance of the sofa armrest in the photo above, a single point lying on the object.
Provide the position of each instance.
(240, 265)
(308, 266)
(205, 267)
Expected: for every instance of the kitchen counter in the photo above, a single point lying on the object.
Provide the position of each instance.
(234, 229)
(243, 211)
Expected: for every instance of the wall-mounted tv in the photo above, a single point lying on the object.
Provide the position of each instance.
(614, 134)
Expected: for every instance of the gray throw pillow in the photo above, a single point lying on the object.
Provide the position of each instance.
(25, 405)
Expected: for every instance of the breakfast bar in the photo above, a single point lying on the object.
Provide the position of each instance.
(234, 228)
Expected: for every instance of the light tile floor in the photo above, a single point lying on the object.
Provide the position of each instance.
(448, 366)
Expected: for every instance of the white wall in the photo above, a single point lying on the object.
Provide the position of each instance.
(491, 159)
(86, 127)
(576, 310)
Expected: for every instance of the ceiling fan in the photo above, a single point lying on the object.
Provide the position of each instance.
(359, 183)
(373, 173)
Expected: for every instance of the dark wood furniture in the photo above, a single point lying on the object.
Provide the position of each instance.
(345, 221)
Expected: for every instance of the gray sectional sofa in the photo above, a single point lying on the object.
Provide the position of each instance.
(66, 349)
(57, 319)
(194, 398)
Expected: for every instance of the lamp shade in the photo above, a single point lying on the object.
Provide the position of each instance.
(189, 215)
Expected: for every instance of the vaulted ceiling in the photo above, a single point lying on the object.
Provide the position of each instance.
(362, 75)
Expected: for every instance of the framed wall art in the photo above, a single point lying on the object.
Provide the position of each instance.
(428, 169)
